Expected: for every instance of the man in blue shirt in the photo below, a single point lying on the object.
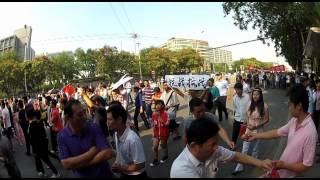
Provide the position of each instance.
(82, 145)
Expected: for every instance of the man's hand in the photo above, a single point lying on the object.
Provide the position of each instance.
(93, 150)
(250, 137)
(278, 164)
(231, 144)
(266, 164)
(117, 168)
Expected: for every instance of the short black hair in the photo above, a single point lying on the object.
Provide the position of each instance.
(238, 85)
(211, 80)
(30, 112)
(201, 130)
(100, 100)
(20, 104)
(195, 102)
(54, 102)
(68, 112)
(159, 101)
(118, 111)
(298, 94)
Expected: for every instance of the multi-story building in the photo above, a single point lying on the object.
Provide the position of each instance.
(20, 43)
(210, 56)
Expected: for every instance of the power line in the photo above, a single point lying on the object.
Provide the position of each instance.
(115, 13)
(125, 12)
(75, 37)
(244, 42)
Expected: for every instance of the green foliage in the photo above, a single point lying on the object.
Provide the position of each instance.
(285, 23)
(251, 61)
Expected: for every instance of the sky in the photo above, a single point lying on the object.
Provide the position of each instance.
(61, 26)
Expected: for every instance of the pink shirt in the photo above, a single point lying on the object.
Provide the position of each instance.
(301, 145)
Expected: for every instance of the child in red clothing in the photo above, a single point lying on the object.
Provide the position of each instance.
(161, 133)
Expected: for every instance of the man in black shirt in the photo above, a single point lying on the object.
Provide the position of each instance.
(24, 123)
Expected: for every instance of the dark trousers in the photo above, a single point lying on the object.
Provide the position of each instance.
(27, 138)
(44, 156)
(222, 107)
(135, 118)
(149, 111)
(53, 136)
(13, 170)
(236, 130)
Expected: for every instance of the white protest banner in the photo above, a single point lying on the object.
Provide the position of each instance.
(194, 82)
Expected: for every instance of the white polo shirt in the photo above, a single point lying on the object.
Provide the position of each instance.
(241, 106)
(130, 150)
(223, 86)
(188, 166)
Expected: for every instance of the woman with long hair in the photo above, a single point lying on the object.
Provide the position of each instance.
(257, 117)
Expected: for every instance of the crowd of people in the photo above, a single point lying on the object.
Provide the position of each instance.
(94, 126)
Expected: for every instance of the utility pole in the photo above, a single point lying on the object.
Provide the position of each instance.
(135, 36)
(139, 61)
(25, 72)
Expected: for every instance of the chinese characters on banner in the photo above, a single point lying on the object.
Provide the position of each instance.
(194, 82)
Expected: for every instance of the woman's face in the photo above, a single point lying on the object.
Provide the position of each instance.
(159, 107)
(256, 96)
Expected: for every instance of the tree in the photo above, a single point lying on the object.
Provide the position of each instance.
(188, 59)
(113, 64)
(285, 23)
(251, 62)
(65, 67)
(8, 55)
(9, 72)
(86, 62)
(160, 60)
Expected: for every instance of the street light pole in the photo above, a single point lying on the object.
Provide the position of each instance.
(139, 61)
(25, 73)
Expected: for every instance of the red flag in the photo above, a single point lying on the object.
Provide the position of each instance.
(69, 90)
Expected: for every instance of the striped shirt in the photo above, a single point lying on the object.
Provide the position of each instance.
(147, 94)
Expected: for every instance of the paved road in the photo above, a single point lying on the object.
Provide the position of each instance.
(268, 149)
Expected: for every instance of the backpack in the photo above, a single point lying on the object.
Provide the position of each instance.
(209, 103)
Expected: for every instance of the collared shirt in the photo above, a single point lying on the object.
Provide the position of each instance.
(223, 86)
(301, 145)
(6, 117)
(241, 106)
(190, 119)
(188, 166)
(130, 150)
(71, 145)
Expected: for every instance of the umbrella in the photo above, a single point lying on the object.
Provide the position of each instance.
(122, 81)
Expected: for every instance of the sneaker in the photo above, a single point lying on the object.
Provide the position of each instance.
(41, 174)
(154, 163)
(164, 159)
(55, 175)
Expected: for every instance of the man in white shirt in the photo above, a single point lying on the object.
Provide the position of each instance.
(240, 104)
(172, 103)
(7, 126)
(201, 156)
(130, 159)
(223, 86)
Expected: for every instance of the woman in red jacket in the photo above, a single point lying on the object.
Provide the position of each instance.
(161, 133)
